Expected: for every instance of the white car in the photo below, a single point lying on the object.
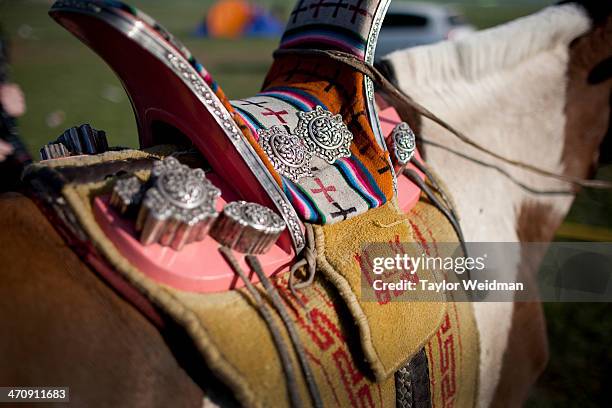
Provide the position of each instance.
(409, 24)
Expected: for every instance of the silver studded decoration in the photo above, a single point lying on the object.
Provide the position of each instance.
(179, 208)
(248, 227)
(288, 154)
(404, 143)
(325, 134)
(127, 194)
(77, 4)
(201, 89)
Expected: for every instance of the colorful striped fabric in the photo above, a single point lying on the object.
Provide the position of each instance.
(344, 25)
(333, 37)
(257, 112)
(303, 100)
(351, 185)
(335, 192)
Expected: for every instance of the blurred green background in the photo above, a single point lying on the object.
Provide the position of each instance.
(67, 84)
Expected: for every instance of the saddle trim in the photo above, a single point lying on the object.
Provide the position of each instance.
(369, 59)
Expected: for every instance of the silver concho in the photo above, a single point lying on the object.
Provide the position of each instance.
(404, 143)
(325, 134)
(180, 206)
(288, 154)
(127, 194)
(247, 227)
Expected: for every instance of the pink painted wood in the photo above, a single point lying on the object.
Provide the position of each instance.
(407, 192)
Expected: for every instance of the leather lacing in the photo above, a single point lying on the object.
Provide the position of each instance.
(282, 348)
(308, 261)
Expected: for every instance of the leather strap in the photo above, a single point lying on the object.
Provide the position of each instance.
(405, 101)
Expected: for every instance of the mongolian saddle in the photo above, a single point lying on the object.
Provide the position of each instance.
(257, 237)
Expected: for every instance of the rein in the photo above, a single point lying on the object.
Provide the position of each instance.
(405, 101)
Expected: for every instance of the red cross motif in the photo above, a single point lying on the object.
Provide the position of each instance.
(356, 9)
(317, 6)
(279, 114)
(323, 189)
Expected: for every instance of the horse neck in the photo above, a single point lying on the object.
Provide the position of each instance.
(589, 99)
(531, 109)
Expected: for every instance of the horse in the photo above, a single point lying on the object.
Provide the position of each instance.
(520, 90)
(69, 328)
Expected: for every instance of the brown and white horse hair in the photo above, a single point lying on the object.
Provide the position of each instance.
(537, 90)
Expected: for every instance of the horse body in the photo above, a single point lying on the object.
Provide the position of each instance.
(520, 90)
(64, 326)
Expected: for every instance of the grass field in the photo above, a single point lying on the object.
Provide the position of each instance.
(67, 84)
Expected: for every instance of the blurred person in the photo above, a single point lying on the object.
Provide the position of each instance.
(13, 154)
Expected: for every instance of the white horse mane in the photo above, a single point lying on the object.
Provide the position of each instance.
(506, 88)
(493, 50)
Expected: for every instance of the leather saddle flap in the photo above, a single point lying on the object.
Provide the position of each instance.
(393, 324)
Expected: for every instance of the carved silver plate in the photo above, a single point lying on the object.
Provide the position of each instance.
(180, 206)
(325, 134)
(404, 143)
(248, 227)
(288, 154)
